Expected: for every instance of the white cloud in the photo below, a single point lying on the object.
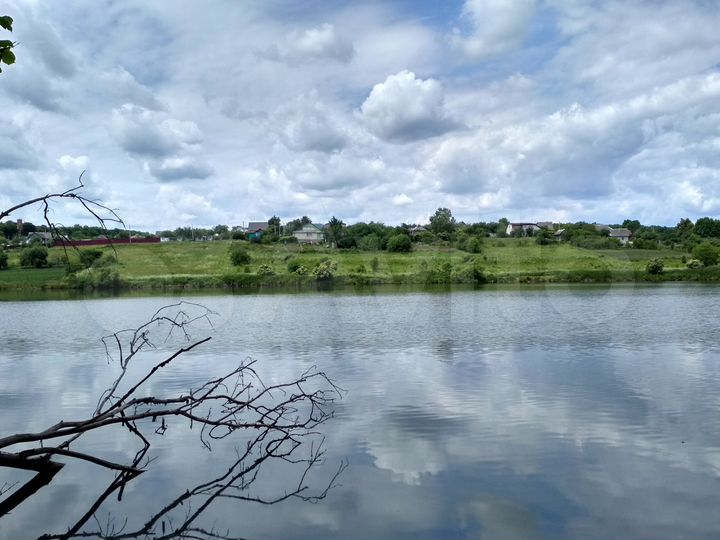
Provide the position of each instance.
(306, 124)
(595, 110)
(401, 200)
(491, 27)
(170, 169)
(322, 42)
(405, 108)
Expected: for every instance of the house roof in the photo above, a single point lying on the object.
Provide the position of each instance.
(46, 235)
(616, 233)
(257, 225)
(311, 226)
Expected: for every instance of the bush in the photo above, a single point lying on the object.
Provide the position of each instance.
(693, 263)
(400, 243)
(370, 242)
(34, 256)
(89, 256)
(301, 270)
(293, 265)
(325, 269)
(3, 260)
(374, 264)
(288, 239)
(265, 270)
(471, 244)
(655, 266)
(707, 253)
(239, 255)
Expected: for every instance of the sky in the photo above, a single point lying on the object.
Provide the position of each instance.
(223, 112)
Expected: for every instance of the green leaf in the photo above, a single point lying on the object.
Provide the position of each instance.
(6, 22)
(6, 44)
(8, 57)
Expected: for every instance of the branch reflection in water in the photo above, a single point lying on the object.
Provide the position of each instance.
(267, 423)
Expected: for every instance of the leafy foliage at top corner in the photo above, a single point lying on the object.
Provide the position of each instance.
(7, 56)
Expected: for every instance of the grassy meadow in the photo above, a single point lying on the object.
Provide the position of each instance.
(207, 264)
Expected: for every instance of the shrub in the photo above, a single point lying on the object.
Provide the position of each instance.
(370, 242)
(265, 270)
(89, 256)
(325, 269)
(707, 253)
(472, 245)
(3, 259)
(374, 264)
(301, 270)
(655, 266)
(400, 243)
(34, 256)
(108, 259)
(239, 255)
(293, 265)
(288, 239)
(693, 263)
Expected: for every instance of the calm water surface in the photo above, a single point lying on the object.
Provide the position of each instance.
(514, 413)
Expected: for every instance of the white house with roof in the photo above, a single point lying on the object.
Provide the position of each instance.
(310, 234)
(621, 234)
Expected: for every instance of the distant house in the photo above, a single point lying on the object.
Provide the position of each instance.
(44, 237)
(310, 234)
(513, 227)
(256, 229)
(622, 234)
(560, 235)
(417, 229)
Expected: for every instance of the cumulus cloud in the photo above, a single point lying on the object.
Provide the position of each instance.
(574, 152)
(491, 27)
(619, 47)
(404, 109)
(16, 151)
(306, 125)
(179, 168)
(322, 42)
(401, 200)
(142, 132)
(339, 172)
(43, 40)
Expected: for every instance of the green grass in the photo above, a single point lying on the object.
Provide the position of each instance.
(30, 277)
(207, 264)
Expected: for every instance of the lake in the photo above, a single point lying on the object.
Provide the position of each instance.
(515, 412)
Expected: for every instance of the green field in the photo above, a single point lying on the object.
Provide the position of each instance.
(207, 264)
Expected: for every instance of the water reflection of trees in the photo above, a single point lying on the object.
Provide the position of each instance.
(276, 423)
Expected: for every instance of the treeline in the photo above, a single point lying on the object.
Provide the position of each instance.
(9, 231)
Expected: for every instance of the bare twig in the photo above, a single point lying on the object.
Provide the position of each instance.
(276, 422)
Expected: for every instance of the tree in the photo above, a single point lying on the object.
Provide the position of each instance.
(684, 228)
(7, 56)
(632, 224)
(442, 222)
(273, 422)
(707, 227)
(400, 243)
(335, 230)
(34, 256)
(707, 253)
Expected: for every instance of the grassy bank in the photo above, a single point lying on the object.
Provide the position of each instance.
(198, 265)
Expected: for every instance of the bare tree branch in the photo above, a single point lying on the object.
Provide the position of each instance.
(273, 423)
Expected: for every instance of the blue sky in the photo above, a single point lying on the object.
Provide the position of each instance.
(224, 112)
